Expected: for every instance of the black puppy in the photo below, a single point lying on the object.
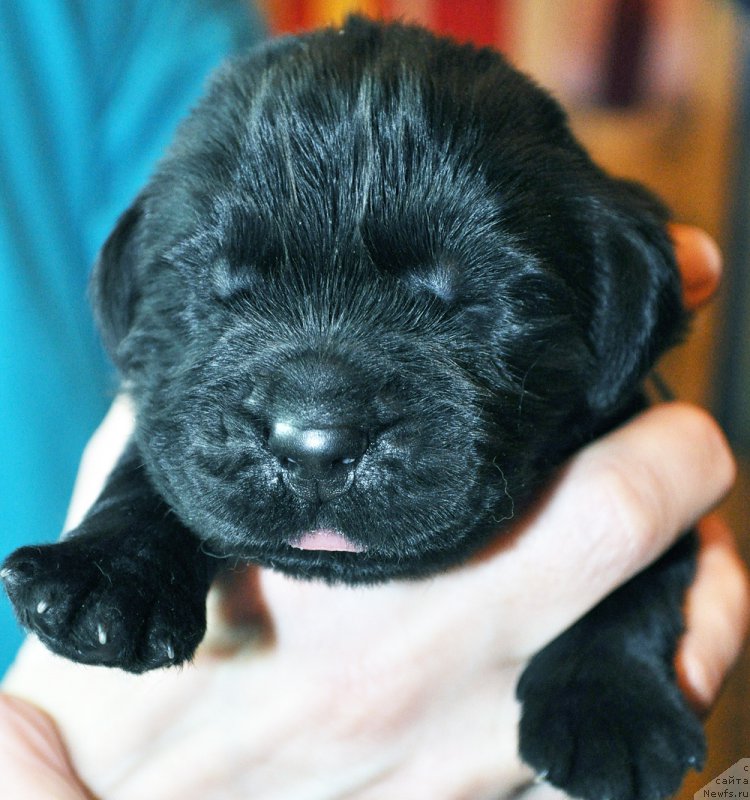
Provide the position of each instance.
(374, 294)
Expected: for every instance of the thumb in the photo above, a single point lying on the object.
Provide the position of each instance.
(699, 259)
(33, 760)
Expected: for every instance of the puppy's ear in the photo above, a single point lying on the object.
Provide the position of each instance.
(636, 295)
(114, 288)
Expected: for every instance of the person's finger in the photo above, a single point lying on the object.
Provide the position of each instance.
(717, 613)
(618, 505)
(541, 791)
(699, 259)
(33, 760)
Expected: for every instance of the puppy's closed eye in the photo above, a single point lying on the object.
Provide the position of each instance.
(230, 281)
(441, 281)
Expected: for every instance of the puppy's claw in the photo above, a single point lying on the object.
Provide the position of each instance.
(6, 573)
(101, 634)
(170, 651)
(42, 606)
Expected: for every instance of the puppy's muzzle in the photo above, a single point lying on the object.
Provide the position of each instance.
(317, 462)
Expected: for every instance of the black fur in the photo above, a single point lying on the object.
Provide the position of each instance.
(378, 229)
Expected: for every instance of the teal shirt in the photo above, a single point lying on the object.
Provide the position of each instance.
(90, 94)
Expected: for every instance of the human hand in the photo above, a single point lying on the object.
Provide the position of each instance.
(403, 690)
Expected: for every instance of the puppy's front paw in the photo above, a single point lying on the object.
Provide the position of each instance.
(100, 607)
(629, 738)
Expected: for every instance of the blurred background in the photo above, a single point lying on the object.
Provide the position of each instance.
(658, 90)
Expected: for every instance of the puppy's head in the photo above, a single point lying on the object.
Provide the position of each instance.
(374, 293)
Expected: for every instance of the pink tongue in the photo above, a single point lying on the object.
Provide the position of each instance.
(326, 539)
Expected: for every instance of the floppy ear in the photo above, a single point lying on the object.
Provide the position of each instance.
(113, 287)
(636, 296)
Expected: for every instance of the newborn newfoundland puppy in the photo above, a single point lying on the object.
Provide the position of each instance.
(372, 297)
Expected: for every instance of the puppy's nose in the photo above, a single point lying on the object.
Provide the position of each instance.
(319, 453)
